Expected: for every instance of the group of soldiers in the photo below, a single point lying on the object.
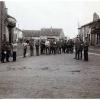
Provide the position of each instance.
(8, 50)
(49, 47)
(56, 47)
(81, 46)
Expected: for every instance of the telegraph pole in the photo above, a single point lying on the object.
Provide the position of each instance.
(0, 27)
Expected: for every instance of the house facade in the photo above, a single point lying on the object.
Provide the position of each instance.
(91, 31)
(44, 33)
(18, 34)
(52, 33)
(7, 23)
(31, 34)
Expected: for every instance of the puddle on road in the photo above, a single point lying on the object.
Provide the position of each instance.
(76, 71)
(15, 69)
(55, 87)
(45, 68)
(49, 69)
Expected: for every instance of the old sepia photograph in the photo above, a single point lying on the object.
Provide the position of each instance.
(49, 49)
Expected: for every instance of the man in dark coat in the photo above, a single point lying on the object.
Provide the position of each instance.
(81, 49)
(71, 46)
(64, 44)
(24, 49)
(31, 44)
(86, 45)
(8, 51)
(42, 46)
(77, 46)
(59, 47)
(3, 52)
(68, 48)
(54, 47)
(51, 47)
(37, 44)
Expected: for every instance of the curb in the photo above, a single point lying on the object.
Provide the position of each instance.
(96, 54)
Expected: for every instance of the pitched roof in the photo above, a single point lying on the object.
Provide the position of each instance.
(42, 32)
(31, 33)
(88, 24)
(51, 31)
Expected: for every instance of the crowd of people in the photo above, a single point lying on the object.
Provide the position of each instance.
(49, 47)
(46, 47)
(8, 50)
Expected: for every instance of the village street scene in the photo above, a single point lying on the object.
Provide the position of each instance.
(39, 59)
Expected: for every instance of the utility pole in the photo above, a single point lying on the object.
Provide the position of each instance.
(0, 26)
(1, 21)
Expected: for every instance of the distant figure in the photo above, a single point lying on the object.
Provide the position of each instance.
(81, 49)
(31, 44)
(3, 52)
(37, 44)
(71, 46)
(24, 49)
(42, 46)
(8, 51)
(68, 46)
(77, 47)
(86, 45)
(64, 46)
(54, 47)
(14, 50)
(51, 47)
(47, 46)
(59, 47)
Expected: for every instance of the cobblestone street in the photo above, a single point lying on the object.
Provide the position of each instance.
(53, 76)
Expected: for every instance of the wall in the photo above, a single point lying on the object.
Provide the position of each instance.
(3, 16)
(18, 34)
(85, 32)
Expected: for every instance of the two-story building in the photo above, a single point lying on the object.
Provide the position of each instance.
(44, 33)
(91, 31)
(52, 33)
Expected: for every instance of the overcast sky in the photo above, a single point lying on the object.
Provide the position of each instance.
(65, 14)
